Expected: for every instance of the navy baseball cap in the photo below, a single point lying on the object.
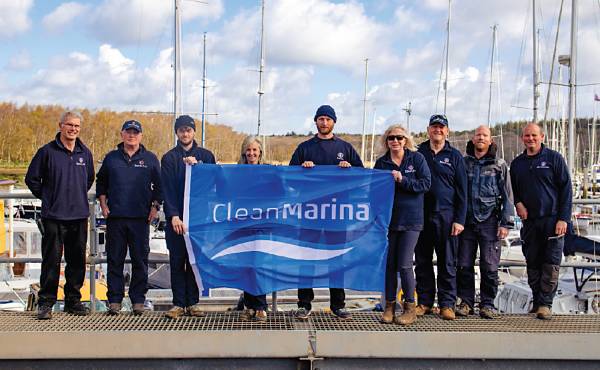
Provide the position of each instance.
(133, 124)
(438, 119)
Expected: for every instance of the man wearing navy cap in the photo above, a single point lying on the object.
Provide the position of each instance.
(445, 213)
(128, 187)
(65, 212)
(324, 149)
(183, 283)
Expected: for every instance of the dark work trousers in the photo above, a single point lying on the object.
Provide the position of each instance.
(337, 297)
(123, 234)
(543, 254)
(436, 237)
(401, 252)
(255, 302)
(72, 237)
(485, 236)
(183, 282)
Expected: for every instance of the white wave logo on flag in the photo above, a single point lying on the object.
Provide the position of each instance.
(282, 249)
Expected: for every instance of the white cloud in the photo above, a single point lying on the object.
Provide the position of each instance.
(66, 14)
(135, 21)
(20, 61)
(14, 17)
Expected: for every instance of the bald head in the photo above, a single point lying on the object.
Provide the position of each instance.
(532, 137)
(482, 139)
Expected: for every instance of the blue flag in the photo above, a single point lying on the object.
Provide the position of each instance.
(263, 228)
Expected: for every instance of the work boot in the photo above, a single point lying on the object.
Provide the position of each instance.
(544, 313)
(175, 312)
(388, 314)
(464, 310)
(487, 313)
(302, 314)
(196, 310)
(342, 314)
(138, 309)
(77, 309)
(447, 313)
(260, 315)
(534, 308)
(247, 315)
(114, 309)
(422, 309)
(409, 314)
(44, 312)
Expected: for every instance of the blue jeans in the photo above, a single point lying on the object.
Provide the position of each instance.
(400, 257)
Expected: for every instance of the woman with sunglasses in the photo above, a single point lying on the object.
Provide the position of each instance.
(256, 305)
(412, 177)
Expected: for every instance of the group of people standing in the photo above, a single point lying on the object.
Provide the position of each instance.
(443, 203)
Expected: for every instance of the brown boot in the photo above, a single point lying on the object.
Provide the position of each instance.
(388, 314)
(421, 310)
(544, 313)
(409, 314)
(447, 313)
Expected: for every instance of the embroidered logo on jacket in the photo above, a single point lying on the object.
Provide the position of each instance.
(543, 164)
(410, 169)
(80, 162)
(446, 162)
(340, 156)
(140, 164)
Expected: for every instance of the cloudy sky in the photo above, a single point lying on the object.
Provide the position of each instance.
(117, 54)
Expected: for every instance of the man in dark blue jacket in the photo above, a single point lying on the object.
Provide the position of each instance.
(186, 152)
(60, 174)
(490, 214)
(445, 213)
(324, 149)
(543, 197)
(128, 187)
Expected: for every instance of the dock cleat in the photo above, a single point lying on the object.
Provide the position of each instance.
(175, 312)
(195, 311)
(114, 309)
(77, 309)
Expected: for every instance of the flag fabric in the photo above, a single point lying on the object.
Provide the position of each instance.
(262, 228)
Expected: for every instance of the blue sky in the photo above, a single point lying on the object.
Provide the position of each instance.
(117, 54)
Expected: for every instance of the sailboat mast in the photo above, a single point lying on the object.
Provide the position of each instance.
(447, 55)
(572, 85)
(535, 68)
(489, 118)
(177, 64)
(364, 123)
(262, 65)
(203, 89)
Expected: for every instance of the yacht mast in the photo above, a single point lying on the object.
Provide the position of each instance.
(202, 143)
(447, 55)
(262, 65)
(489, 117)
(535, 69)
(177, 63)
(572, 86)
(364, 123)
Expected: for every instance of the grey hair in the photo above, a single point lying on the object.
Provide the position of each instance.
(70, 114)
(533, 124)
(245, 144)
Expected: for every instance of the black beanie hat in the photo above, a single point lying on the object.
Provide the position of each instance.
(326, 110)
(183, 121)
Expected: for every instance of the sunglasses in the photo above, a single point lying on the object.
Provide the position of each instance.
(395, 137)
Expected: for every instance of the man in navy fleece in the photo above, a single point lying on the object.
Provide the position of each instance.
(543, 195)
(186, 152)
(324, 149)
(60, 175)
(445, 213)
(128, 187)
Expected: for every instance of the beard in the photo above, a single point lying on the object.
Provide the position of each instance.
(324, 130)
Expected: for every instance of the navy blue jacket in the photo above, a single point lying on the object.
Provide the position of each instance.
(325, 152)
(448, 189)
(61, 179)
(489, 190)
(173, 176)
(130, 184)
(407, 213)
(543, 184)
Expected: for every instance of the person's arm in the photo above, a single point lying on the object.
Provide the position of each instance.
(422, 181)
(102, 187)
(354, 158)
(91, 174)
(168, 180)
(507, 213)
(460, 193)
(565, 195)
(34, 179)
(296, 157)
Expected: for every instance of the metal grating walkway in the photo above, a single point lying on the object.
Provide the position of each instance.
(223, 335)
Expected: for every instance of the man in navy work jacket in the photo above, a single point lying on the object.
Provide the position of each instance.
(542, 190)
(324, 149)
(186, 152)
(60, 174)
(128, 187)
(490, 214)
(445, 213)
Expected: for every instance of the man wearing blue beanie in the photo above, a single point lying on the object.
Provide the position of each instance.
(324, 149)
